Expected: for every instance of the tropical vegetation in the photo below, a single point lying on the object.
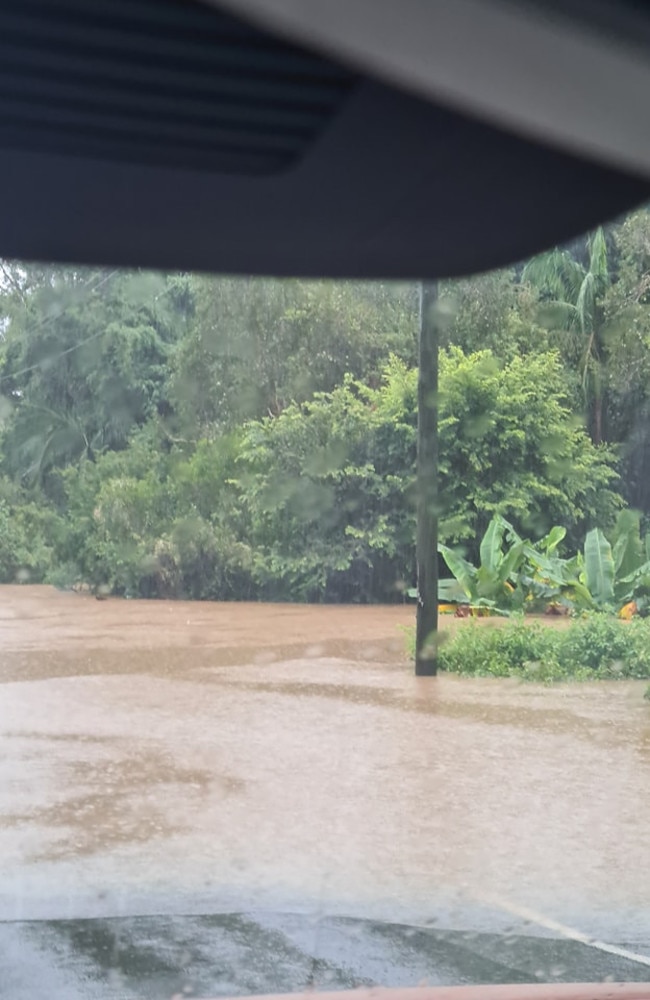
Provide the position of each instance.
(517, 575)
(175, 435)
(593, 647)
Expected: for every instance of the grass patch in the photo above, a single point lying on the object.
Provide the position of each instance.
(594, 647)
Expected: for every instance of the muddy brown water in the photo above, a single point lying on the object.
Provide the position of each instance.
(170, 755)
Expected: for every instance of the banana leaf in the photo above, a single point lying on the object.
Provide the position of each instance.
(463, 570)
(599, 568)
(550, 542)
(490, 549)
(627, 551)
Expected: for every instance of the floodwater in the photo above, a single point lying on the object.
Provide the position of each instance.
(168, 759)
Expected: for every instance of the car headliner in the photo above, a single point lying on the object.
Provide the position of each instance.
(115, 149)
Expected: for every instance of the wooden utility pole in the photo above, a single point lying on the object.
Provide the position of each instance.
(426, 635)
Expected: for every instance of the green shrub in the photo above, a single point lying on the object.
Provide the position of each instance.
(65, 576)
(28, 533)
(607, 646)
(597, 646)
(317, 501)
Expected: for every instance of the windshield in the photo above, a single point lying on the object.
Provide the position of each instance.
(220, 774)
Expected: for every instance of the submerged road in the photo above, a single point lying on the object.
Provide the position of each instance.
(244, 798)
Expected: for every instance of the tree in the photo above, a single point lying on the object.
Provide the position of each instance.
(83, 362)
(492, 311)
(325, 492)
(257, 345)
(234, 439)
(627, 336)
(510, 444)
(573, 295)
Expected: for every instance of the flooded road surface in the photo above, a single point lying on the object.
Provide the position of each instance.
(176, 772)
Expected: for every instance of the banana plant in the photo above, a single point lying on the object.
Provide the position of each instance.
(632, 563)
(546, 576)
(493, 584)
(523, 576)
(587, 581)
(518, 575)
(613, 575)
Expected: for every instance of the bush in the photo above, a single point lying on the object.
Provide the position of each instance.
(327, 486)
(28, 532)
(147, 530)
(317, 503)
(65, 576)
(596, 646)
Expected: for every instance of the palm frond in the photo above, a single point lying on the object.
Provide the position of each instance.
(598, 259)
(555, 274)
(586, 303)
(557, 315)
(44, 437)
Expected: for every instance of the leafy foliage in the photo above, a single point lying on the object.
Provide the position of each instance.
(29, 531)
(518, 575)
(256, 346)
(627, 339)
(514, 574)
(84, 362)
(572, 293)
(510, 445)
(619, 573)
(217, 437)
(594, 646)
(316, 503)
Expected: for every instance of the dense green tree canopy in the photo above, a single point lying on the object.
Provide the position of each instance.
(236, 438)
(84, 362)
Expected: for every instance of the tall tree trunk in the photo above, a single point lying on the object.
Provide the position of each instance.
(597, 420)
(427, 486)
(596, 403)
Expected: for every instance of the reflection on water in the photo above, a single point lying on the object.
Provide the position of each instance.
(315, 773)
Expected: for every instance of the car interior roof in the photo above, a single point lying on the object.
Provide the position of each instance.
(172, 134)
